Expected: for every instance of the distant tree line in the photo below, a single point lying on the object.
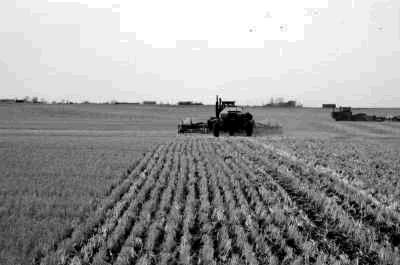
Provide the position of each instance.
(36, 100)
(278, 102)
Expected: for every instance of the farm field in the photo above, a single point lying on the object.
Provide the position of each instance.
(201, 200)
(106, 184)
(57, 163)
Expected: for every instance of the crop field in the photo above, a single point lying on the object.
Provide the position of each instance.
(200, 200)
(58, 162)
(116, 185)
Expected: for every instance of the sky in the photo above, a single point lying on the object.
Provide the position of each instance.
(314, 51)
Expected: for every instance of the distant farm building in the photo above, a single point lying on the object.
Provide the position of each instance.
(149, 102)
(188, 103)
(283, 104)
(328, 106)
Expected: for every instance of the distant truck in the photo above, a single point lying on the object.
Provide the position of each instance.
(346, 114)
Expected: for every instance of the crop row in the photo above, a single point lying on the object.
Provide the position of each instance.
(359, 205)
(277, 231)
(220, 201)
(87, 238)
(370, 166)
(362, 239)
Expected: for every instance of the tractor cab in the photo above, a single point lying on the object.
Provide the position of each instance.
(221, 105)
(228, 110)
(345, 109)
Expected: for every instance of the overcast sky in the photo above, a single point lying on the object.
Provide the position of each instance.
(314, 51)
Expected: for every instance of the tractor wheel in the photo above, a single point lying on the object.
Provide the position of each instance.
(216, 129)
(249, 129)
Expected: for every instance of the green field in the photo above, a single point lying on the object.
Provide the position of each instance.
(58, 162)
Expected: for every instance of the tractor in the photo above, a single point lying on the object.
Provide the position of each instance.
(230, 118)
(346, 114)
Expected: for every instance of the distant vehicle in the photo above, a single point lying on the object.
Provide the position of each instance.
(230, 118)
(346, 114)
